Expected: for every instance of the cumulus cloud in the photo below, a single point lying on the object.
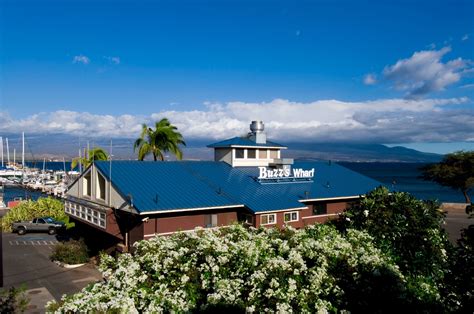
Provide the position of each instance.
(81, 59)
(370, 79)
(424, 72)
(113, 60)
(384, 121)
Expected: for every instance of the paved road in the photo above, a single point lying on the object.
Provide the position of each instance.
(26, 262)
(455, 221)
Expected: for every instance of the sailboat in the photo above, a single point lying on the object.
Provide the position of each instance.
(2, 203)
(9, 172)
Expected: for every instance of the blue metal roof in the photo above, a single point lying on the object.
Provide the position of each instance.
(243, 141)
(157, 186)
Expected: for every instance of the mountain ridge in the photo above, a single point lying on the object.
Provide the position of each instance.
(57, 146)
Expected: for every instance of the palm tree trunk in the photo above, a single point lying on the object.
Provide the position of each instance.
(466, 196)
(154, 156)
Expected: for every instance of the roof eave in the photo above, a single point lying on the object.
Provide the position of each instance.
(331, 198)
(188, 209)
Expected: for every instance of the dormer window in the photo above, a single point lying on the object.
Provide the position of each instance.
(251, 150)
(100, 187)
(239, 153)
(87, 184)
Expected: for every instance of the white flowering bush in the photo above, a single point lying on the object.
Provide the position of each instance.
(249, 270)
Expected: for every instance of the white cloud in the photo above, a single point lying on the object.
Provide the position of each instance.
(113, 60)
(465, 37)
(370, 79)
(383, 121)
(81, 59)
(467, 86)
(424, 72)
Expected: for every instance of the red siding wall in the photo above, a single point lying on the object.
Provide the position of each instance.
(185, 221)
(306, 216)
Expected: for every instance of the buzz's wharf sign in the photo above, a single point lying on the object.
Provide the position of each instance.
(271, 175)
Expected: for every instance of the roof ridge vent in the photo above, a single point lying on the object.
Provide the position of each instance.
(257, 133)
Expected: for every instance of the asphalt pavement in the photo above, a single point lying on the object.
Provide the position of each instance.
(456, 220)
(26, 263)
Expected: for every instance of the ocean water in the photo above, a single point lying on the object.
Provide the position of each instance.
(400, 176)
(13, 192)
(404, 177)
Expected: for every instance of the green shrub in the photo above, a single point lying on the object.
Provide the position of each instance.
(28, 210)
(409, 230)
(13, 300)
(70, 252)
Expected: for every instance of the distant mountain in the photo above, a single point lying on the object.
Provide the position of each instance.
(57, 146)
(358, 152)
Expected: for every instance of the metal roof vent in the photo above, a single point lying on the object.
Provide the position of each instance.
(257, 135)
(257, 126)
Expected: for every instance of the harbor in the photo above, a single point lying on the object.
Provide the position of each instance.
(29, 177)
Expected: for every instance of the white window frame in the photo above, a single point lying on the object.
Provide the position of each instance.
(291, 216)
(91, 215)
(268, 219)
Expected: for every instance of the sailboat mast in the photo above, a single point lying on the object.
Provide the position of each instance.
(14, 155)
(8, 152)
(23, 149)
(80, 161)
(1, 148)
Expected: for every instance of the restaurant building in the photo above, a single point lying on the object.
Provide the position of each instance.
(247, 182)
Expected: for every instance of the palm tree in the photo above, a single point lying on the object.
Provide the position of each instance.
(96, 153)
(164, 138)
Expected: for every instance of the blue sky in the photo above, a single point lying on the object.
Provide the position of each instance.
(368, 71)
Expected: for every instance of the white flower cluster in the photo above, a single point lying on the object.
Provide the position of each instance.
(255, 270)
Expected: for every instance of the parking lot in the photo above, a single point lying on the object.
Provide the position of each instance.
(26, 262)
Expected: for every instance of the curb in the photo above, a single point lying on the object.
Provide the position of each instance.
(68, 266)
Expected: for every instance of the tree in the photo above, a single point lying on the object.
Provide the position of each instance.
(410, 231)
(94, 154)
(164, 138)
(456, 170)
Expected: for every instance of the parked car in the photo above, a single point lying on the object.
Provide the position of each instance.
(47, 224)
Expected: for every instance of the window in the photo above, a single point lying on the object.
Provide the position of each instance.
(320, 209)
(262, 154)
(100, 190)
(268, 219)
(251, 154)
(246, 219)
(210, 221)
(290, 216)
(87, 184)
(273, 154)
(91, 215)
(239, 153)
